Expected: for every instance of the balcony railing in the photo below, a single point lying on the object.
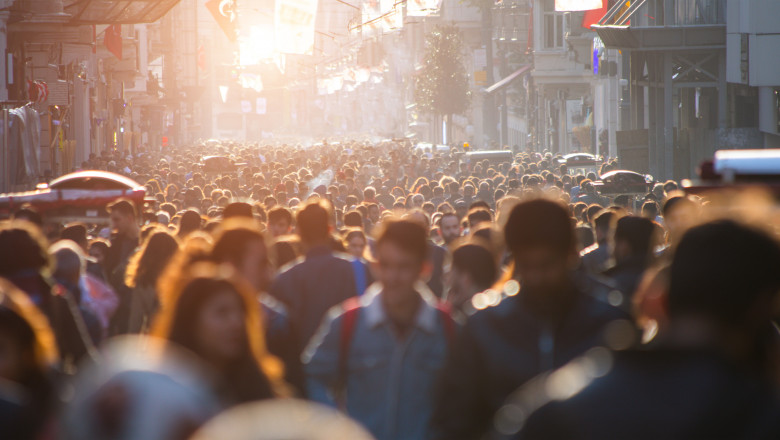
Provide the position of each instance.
(655, 13)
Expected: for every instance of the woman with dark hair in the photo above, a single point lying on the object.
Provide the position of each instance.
(143, 271)
(27, 349)
(190, 222)
(213, 313)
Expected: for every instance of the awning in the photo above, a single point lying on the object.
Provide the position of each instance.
(118, 11)
(505, 82)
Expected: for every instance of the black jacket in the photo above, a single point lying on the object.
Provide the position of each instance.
(502, 347)
(663, 394)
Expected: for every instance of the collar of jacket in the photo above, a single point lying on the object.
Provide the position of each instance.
(375, 310)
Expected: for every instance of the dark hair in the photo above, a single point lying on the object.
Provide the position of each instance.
(76, 232)
(353, 219)
(637, 232)
(408, 235)
(22, 247)
(479, 215)
(675, 202)
(603, 220)
(147, 264)
(477, 261)
(313, 222)
(280, 213)
(237, 209)
(29, 213)
(190, 222)
(539, 223)
(721, 269)
(123, 206)
(285, 250)
(233, 239)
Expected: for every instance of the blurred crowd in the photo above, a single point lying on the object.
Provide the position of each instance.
(415, 294)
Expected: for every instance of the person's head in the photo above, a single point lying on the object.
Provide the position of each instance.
(373, 212)
(237, 209)
(450, 227)
(27, 343)
(479, 215)
(240, 243)
(98, 249)
(355, 242)
(213, 313)
(313, 222)
(353, 219)
(726, 274)
(633, 237)
(124, 219)
(401, 253)
(69, 262)
(680, 214)
(29, 248)
(473, 270)
(602, 224)
(29, 213)
(650, 209)
(279, 221)
(77, 233)
(540, 236)
(146, 265)
(190, 222)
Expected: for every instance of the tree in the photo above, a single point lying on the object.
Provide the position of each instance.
(442, 86)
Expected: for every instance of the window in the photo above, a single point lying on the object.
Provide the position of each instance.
(554, 26)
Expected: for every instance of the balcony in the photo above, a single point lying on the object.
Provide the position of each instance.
(665, 25)
(511, 22)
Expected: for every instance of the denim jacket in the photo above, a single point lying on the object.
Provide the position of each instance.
(389, 381)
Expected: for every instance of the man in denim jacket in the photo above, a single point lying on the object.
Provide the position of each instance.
(379, 358)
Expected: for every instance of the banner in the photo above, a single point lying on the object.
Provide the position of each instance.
(577, 5)
(295, 21)
(423, 8)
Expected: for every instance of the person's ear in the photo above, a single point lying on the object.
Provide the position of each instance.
(426, 270)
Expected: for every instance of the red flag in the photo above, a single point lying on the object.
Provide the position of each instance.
(113, 40)
(594, 15)
(202, 57)
(224, 12)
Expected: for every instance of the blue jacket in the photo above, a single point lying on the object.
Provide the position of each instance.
(389, 381)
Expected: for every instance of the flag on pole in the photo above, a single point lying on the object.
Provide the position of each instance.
(577, 5)
(224, 12)
(112, 39)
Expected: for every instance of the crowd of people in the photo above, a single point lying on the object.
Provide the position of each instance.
(422, 296)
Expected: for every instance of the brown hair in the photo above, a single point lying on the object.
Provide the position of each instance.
(257, 374)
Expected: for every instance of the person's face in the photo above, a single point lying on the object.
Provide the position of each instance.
(356, 246)
(543, 273)
(254, 266)
(220, 328)
(373, 214)
(279, 228)
(121, 222)
(450, 228)
(97, 253)
(397, 270)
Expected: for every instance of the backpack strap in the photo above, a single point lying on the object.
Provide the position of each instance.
(348, 321)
